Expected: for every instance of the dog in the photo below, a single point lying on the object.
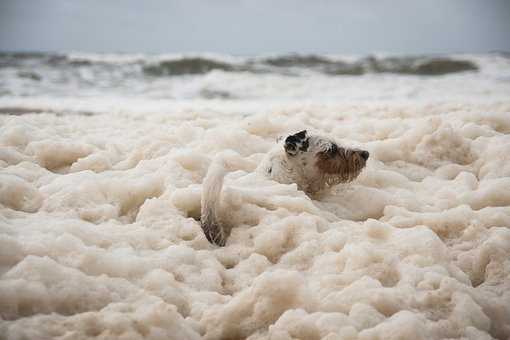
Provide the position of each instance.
(313, 162)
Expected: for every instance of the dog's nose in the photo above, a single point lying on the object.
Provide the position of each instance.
(364, 155)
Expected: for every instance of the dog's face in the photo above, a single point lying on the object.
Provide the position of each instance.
(323, 159)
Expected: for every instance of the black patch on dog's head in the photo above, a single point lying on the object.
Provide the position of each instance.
(300, 134)
(295, 143)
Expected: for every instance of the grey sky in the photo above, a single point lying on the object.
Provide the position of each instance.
(255, 26)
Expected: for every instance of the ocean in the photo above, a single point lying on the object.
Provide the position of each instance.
(54, 78)
(102, 158)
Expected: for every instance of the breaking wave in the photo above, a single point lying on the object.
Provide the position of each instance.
(292, 64)
(186, 66)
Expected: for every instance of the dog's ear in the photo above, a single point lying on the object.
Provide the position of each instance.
(295, 143)
(301, 135)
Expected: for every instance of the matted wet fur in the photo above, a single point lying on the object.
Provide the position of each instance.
(312, 162)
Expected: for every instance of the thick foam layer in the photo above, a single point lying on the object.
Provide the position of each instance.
(99, 234)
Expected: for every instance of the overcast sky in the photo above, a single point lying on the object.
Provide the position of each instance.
(247, 27)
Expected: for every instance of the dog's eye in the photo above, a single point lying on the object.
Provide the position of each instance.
(304, 145)
(333, 149)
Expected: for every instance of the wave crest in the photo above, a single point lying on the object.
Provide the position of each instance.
(192, 65)
(295, 64)
(290, 64)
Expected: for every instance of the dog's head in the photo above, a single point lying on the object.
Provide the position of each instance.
(323, 159)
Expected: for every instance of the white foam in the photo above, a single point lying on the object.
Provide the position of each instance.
(98, 235)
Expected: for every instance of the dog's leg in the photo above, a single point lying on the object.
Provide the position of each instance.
(211, 203)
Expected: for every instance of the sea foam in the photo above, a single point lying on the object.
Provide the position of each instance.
(99, 234)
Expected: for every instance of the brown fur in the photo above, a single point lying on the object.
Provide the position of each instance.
(342, 166)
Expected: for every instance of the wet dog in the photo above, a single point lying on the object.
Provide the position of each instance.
(313, 162)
